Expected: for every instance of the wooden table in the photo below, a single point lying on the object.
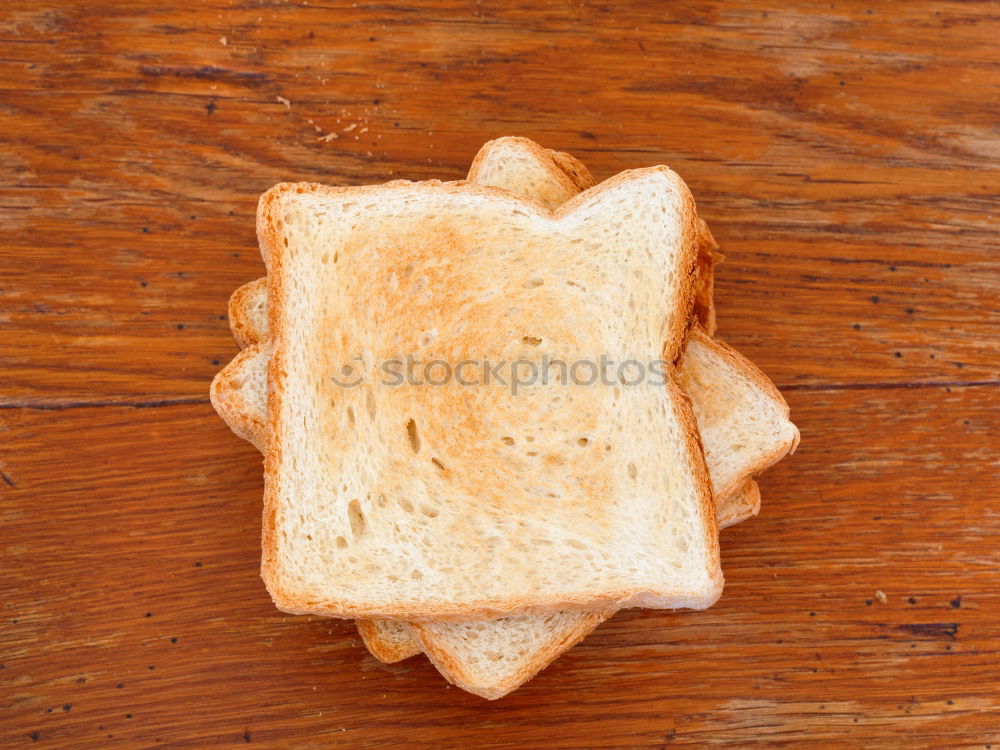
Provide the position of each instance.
(846, 156)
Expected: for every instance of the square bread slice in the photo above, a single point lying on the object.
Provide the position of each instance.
(429, 503)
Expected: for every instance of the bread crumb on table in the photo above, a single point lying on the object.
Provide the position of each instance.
(880, 595)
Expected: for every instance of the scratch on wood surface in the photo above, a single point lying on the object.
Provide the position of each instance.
(86, 404)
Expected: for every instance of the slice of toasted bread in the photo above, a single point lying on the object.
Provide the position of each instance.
(362, 518)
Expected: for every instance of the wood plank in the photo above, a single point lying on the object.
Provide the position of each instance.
(127, 528)
(845, 155)
(839, 159)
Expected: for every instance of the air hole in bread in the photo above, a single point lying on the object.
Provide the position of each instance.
(324, 258)
(430, 511)
(416, 575)
(340, 542)
(439, 465)
(530, 438)
(532, 453)
(408, 269)
(336, 257)
(356, 519)
(531, 341)
(350, 414)
(583, 442)
(507, 440)
(413, 436)
(370, 404)
(632, 471)
(405, 504)
(533, 283)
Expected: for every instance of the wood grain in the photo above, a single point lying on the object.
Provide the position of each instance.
(846, 157)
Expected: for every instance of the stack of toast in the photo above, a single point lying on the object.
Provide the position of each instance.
(492, 522)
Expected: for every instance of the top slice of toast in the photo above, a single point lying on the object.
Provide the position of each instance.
(430, 502)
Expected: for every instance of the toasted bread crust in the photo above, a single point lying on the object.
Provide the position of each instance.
(708, 258)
